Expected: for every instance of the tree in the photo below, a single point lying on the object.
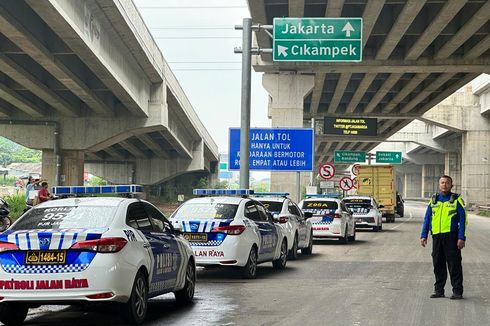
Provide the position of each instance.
(11, 152)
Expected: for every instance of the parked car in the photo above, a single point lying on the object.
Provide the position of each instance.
(400, 205)
(331, 219)
(231, 231)
(298, 229)
(106, 250)
(366, 212)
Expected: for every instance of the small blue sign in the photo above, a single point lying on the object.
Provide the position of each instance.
(273, 149)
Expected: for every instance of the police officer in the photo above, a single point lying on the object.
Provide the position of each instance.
(446, 219)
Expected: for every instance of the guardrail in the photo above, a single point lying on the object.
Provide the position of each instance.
(484, 208)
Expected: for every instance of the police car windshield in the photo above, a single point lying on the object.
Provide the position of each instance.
(206, 211)
(66, 217)
(314, 206)
(272, 206)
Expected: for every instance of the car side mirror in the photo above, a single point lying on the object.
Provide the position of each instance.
(281, 219)
(308, 214)
(381, 206)
(177, 229)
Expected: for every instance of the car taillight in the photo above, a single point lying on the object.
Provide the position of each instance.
(337, 216)
(106, 295)
(283, 219)
(8, 246)
(231, 229)
(103, 245)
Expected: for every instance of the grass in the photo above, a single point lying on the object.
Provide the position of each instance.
(484, 213)
(17, 203)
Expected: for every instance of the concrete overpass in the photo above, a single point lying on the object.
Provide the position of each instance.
(415, 54)
(85, 82)
(452, 138)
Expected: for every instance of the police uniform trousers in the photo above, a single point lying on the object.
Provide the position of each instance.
(445, 252)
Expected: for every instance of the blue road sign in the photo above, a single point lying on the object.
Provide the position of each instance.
(274, 149)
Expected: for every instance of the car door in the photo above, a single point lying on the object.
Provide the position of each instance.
(300, 222)
(267, 230)
(168, 256)
(348, 217)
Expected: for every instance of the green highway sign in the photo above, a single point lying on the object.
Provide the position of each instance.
(349, 156)
(389, 157)
(317, 39)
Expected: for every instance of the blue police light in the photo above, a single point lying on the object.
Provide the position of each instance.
(225, 192)
(96, 190)
(279, 194)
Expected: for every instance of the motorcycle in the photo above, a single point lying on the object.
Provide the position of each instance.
(5, 220)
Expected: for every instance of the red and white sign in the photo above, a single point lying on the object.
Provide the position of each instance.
(326, 171)
(354, 182)
(346, 183)
(355, 169)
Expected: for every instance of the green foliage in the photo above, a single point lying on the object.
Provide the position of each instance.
(261, 186)
(202, 183)
(484, 213)
(96, 181)
(17, 203)
(11, 152)
(7, 180)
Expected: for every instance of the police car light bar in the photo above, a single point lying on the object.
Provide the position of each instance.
(322, 195)
(228, 192)
(279, 194)
(96, 190)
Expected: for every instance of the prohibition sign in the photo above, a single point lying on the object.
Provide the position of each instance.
(355, 169)
(346, 183)
(326, 171)
(354, 182)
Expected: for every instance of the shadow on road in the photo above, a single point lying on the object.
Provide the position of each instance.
(335, 242)
(234, 274)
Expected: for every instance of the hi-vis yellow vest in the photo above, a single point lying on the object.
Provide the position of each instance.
(443, 212)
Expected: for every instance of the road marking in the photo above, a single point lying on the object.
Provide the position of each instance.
(396, 227)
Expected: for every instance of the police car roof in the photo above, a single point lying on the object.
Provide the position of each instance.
(357, 197)
(217, 199)
(322, 199)
(269, 198)
(84, 201)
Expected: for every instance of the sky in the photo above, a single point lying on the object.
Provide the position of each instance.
(197, 39)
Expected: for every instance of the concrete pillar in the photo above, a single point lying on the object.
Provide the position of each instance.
(412, 185)
(475, 167)
(287, 93)
(452, 168)
(430, 178)
(71, 173)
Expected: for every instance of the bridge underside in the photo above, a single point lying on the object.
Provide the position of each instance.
(415, 54)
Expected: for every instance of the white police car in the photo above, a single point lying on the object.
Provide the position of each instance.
(297, 228)
(366, 212)
(231, 231)
(331, 219)
(97, 249)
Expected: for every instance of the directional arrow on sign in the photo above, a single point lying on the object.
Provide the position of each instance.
(347, 29)
(282, 50)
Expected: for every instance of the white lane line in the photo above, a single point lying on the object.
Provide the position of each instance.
(396, 227)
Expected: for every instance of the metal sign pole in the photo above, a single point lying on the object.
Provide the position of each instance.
(298, 186)
(245, 104)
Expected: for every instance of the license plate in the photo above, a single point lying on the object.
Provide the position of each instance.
(45, 257)
(196, 237)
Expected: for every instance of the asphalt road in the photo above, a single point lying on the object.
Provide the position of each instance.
(384, 278)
